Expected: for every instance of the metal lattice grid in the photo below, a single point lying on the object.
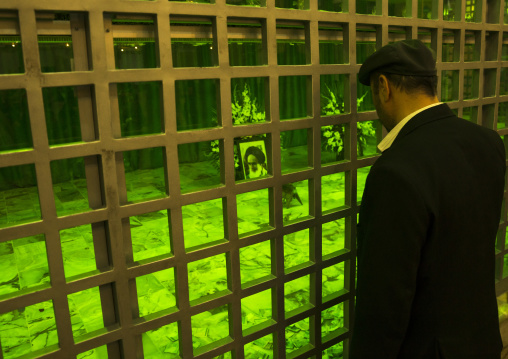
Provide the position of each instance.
(112, 273)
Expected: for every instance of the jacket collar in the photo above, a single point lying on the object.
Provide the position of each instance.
(430, 115)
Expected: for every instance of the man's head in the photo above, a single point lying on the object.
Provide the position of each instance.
(255, 160)
(403, 78)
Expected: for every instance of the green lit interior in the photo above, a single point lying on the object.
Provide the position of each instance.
(24, 261)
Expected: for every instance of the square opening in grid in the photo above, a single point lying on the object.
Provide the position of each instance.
(333, 43)
(21, 328)
(77, 184)
(249, 100)
(246, 42)
(63, 41)
(208, 278)
(201, 165)
(252, 157)
(291, 43)
(253, 212)
(11, 51)
(333, 191)
(70, 114)
(197, 104)
(156, 293)
(19, 195)
(295, 99)
(17, 133)
(256, 263)
(135, 40)
(295, 201)
(140, 107)
(24, 266)
(210, 329)
(161, 342)
(193, 43)
(150, 236)
(203, 224)
(294, 147)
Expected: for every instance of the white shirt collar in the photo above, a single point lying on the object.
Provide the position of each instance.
(392, 135)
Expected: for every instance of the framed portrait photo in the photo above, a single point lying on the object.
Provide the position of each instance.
(253, 159)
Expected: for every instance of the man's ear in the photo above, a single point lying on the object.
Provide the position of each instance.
(384, 88)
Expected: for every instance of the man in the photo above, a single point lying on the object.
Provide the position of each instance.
(255, 162)
(428, 221)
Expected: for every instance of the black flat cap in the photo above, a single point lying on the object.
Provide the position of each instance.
(408, 57)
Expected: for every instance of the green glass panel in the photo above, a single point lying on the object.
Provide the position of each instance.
(203, 224)
(334, 89)
(470, 114)
(208, 278)
(293, 96)
(226, 355)
(449, 53)
(333, 191)
(333, 237)
(506, 241)
(504, 46)
(257, 309)
(295, 201)
(23, 265)
(28, 331)
(14, 120)
(335, 6)
(140, 108)
(188, 52)
(364, 100)
(297, 295)
(145, 175)
(156, 292)
(426, 9)
(332, 143)
(19, 197)
(253, 212)
(506, 12)
(251, 158)
(368, 134)
(258, 3)
(502, 115)
(472, 13)
(503, 89)
(194, 1)
(449, 85)
(471, 84)
(333, 281)
(364, 48)
(292, 4)
(367, 7)
(259, 348)
(78, 251)
(196, 104)
(291, 49)
(255, 263)
(451, 10)
(161, 343)
(11, 53)
(200, 165)
(331, 52)
(56, 53)
(245, 39)
(298, 336)
(69, 186)
(505, 266)
(95, 353)
(210, 327)
(361, 174)
(489, 82)
(150, 235)
(472, 46)
(296, 250)
(248, 100)
(399, 8)
(135, 52)
(85, 310)
(294, 150)
(335, 351)
(62, 115)
(332, 321)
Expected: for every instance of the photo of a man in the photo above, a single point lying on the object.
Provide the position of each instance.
(254, 159)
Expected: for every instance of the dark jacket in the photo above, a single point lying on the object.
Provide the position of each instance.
(426, 242)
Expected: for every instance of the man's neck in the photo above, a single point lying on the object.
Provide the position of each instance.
(408, 103)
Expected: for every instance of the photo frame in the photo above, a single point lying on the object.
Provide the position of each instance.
(256, 152)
